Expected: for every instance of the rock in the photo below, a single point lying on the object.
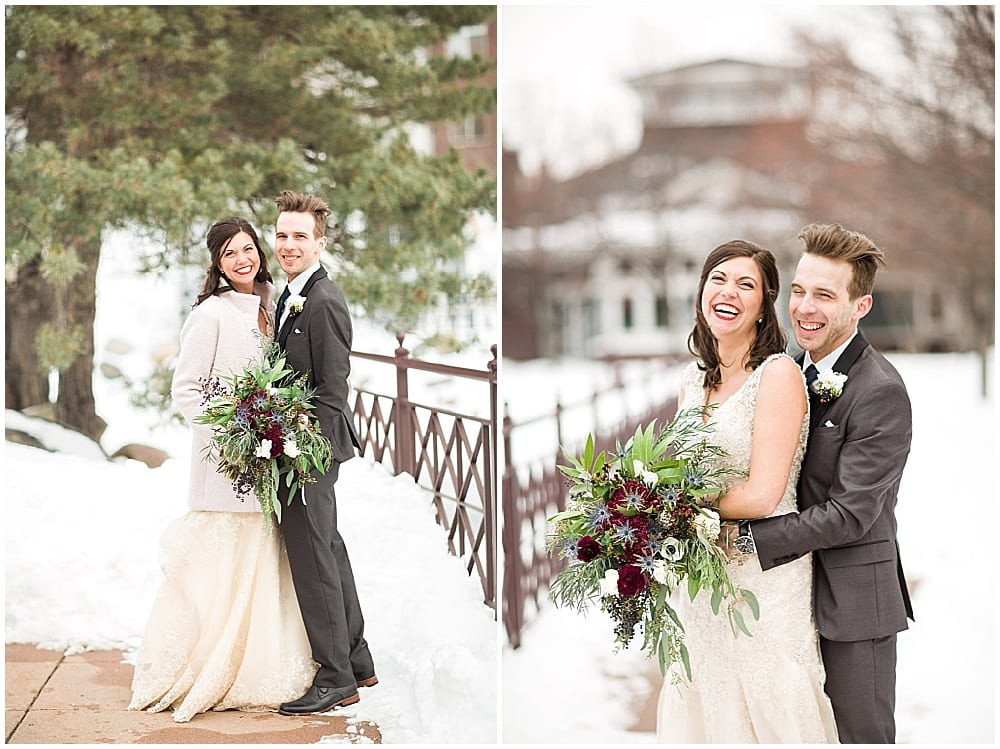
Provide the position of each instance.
(118, 346)
(110, 371)
(153, 457)
(45, 411)
(53, 436)
(23, 438)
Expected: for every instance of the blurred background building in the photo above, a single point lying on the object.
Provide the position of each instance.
(605, 264)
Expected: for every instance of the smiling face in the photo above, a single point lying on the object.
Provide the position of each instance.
(296, 243)
(732, 298)
(823, 314)
(239, 261)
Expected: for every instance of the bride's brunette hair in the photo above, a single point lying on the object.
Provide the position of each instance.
(220, 233)
(770, 339)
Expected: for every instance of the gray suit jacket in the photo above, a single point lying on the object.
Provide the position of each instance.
(318, 341)
(858, 445)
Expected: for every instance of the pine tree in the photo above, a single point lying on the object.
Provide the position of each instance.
(162, 119)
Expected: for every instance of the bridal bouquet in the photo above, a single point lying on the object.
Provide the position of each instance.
(264, 430)
(637, 526)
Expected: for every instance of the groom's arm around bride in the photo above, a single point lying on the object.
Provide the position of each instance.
(858, 445)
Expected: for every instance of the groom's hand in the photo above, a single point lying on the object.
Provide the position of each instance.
(727, 537)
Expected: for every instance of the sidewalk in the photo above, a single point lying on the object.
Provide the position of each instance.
(81, 699)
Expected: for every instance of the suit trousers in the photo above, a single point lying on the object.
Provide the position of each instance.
(324, 585)
(861, 684)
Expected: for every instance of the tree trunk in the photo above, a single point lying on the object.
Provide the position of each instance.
(75, 405)
(26, 305)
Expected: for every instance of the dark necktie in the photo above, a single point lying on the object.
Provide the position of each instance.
(281, 308)
(811, 374)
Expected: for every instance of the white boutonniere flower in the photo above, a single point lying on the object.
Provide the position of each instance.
(295, 303)
(829, 386)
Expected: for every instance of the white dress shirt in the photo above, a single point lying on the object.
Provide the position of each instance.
(295, 288)
(826, 363)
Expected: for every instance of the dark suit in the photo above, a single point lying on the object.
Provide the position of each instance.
(318, 341)
(858, 445)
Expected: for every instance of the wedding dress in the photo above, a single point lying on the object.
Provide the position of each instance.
(767, 688)
(225, 631)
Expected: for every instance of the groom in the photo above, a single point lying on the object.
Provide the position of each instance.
(859, 439)
(314, 330)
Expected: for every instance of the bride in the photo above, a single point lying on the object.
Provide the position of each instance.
(767, 688)
(225, 631)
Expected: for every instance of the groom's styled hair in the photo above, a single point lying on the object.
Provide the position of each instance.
(835, 242)
(296, 202)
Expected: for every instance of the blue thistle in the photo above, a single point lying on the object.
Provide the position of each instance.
(244, 410)
(567, 549)
(241, 420)
(625, 534)
(694, 477)
(599, 518)
(633, 500)
(259, 401)
(670, 495)
(646, 563)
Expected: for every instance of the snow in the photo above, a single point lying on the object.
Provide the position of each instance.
(83, 533)
(945, 674)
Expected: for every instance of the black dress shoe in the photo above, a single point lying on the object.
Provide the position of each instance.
(369, 682)
(319, 700)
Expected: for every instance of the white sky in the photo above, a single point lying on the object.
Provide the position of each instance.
(563, 96)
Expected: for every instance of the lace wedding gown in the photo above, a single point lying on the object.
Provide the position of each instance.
(767, 688)
(225, 631)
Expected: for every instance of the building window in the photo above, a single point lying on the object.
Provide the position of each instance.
(558, 328)
(470, 130)
(936, 306)
(468, 41)
(662, 311)
(628, 321)
(591, 318)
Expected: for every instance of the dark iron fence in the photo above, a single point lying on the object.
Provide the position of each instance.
(452, 455)
(535, 492)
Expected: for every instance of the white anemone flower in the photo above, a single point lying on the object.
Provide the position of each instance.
(671, 549)
(264, 451)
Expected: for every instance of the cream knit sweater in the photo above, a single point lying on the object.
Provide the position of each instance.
(219, 338)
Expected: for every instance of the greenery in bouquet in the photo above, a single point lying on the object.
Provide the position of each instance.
(638, 525)
(264, 430)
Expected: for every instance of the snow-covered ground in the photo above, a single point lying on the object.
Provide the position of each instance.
(82, 533)
(564, 685)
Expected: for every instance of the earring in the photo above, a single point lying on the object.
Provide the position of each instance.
(760, 320)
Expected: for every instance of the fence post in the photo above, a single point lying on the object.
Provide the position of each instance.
(559, 429)
(491, 486)
(405, 450)
(513, 565)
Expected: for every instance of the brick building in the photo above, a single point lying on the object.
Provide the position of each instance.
(605, 265)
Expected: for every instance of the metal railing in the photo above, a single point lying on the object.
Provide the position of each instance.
(452, 455)
(532, 494)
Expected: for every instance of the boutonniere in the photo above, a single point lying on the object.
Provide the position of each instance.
(295, 303)
(829, 386)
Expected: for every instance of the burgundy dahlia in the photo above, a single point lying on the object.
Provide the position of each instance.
(273, 433)
(630, 580)
(587, 549)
